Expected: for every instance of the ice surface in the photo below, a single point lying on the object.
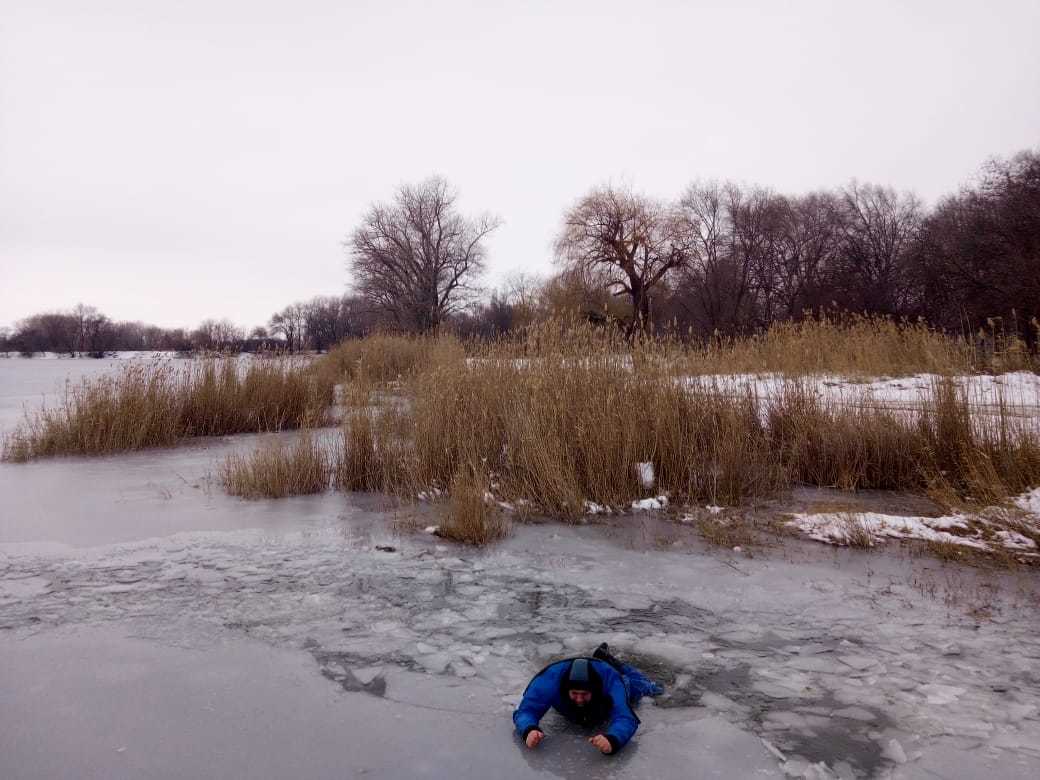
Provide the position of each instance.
(206, 636)
(481, 623)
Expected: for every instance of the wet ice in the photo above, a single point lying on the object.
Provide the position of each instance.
(806, 662)
(827, 687)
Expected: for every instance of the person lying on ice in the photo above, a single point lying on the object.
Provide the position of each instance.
(589, 692)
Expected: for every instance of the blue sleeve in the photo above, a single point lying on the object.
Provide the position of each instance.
(538, 698)
(623, 721)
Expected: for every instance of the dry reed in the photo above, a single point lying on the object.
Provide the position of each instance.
(859, 346)
(469, 516)
(943, 447)
(383, 358)
(158, 404)
(567, 427)
(276, 469)
(560, 418)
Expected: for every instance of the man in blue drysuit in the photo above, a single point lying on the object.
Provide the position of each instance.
(589, 692)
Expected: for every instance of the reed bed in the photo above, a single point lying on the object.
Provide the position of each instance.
(856, 346)
(561, 420)
(386, 357)
(943, 447)
(159, 404)
(277, 469)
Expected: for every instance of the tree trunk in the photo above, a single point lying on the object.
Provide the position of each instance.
(640, 307)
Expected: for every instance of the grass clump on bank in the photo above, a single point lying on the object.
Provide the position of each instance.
(470, 515)
(159, 404)
(277, 470)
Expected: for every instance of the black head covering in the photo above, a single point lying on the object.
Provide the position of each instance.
(582, 676)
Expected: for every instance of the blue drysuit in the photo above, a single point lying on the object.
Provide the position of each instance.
(609, 704)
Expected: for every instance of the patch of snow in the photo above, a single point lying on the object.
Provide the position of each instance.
(837, 528)
(1030, 501)
(645, 472)
(1015, 540)
(660, 502)
(713, 509)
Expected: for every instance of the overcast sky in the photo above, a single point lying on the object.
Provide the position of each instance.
(170, 161)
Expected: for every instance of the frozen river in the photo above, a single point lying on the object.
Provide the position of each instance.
(152, 627)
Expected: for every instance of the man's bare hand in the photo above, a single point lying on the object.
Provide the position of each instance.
(535, 738)
(602, 743)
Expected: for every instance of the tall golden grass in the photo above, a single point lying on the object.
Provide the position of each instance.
(277, 469)
(859, 346)
(158, 404)
(469, 517)
(561, 418)
(944, 446)
(386, 357)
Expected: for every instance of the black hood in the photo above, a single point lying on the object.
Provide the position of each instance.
(582, 675)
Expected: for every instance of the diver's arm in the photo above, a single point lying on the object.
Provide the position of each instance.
(536, 702)
(623, 721)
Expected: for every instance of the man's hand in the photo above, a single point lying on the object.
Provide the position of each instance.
(601, 742)
(535, 738)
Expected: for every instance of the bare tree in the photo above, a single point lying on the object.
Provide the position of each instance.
(878, 230)
(978, 254)
(327, 321)
(291, 323)
(97, 334)
(217, 334)
(807, 252)
(628, 241)
(416, 257)
(718, 281)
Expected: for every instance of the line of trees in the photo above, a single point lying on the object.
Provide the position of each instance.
(723, 258)
(314, 324)
(726, 258)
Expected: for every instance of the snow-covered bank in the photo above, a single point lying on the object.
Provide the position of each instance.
(1018, 391)
(989, 530)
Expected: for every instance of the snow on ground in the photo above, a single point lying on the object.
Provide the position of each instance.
(1030, 501)
(983, 531)
(650, 504)
(1018, 391)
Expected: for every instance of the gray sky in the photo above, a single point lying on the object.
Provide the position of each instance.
(174, 161)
